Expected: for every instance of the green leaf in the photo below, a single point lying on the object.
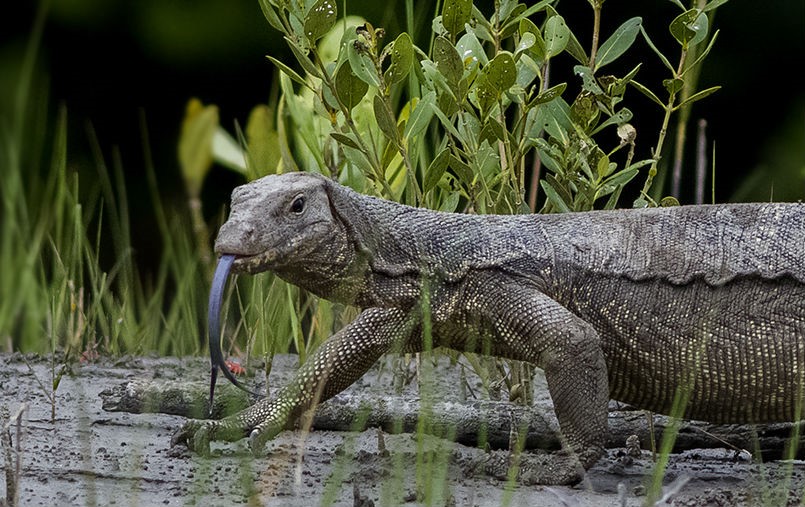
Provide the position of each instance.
(618, 42)
(714, 4)
(702, 27)
(345, 140)
(538, 48)
(673, 85)
(657, 51)
(669, 201)
(703, 54)
(690, 27)
(698, 96)
(289, 71)
(448, 125)
(557, 35)
(527, 71)
(362, 65)
(301, 57)
(604, 168)
(495, 78)
(548, 95)
(518, 16)
(402, 57)
(420, 116)
(319, 19)
(576, 51)
(621, 178)
(271, 15)
(588, 80)
(469, 46)
(263, 142)
(619, 86)
(447, 60)
(619, 118)
(349, 88)
(648, 93)
(358, 159)
(554, 117)
(553, 197)
(455, 13)
(195, 143)
(501, 71)
(385, 121)
(451, 203)
(436, 170)
(462, 169)
(527, 41)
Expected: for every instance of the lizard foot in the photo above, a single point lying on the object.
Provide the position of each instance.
(196, 435)
(260, 435)
(557, 468)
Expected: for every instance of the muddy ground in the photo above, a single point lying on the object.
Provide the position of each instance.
(89, 456)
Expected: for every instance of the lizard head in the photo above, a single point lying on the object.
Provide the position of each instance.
(282, 223)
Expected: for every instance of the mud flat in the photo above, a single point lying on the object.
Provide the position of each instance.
(91, 456)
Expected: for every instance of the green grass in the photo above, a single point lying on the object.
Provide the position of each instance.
(55, 291)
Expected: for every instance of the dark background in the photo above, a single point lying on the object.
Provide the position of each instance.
(112, 63)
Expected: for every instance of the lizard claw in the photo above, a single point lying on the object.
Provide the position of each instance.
(195, 435)
(257, 442)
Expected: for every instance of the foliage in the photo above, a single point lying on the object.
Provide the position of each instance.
(479, 105)
(462, 118)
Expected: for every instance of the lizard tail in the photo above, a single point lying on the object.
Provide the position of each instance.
(214, 325)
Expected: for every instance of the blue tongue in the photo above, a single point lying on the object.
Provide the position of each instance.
(214, 325)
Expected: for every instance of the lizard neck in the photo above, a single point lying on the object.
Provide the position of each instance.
(385, 246)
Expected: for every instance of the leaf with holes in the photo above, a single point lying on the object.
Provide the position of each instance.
(501, 71)
(402, 57)
(319, 19)
(557, 35)
(455, 14)
(548, 95)
(448, 61)
(362, 65)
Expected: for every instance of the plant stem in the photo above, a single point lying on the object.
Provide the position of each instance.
(669, 110)
(596, 32)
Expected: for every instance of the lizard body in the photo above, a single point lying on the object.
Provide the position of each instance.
(703, 305)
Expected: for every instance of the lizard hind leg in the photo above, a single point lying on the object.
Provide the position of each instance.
(530, 326)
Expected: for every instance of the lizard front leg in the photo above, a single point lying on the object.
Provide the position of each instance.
(334, 366)
(525, 324)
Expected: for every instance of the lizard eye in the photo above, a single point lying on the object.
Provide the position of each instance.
(298, 205)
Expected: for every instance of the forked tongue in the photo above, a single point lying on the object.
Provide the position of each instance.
(214, 325)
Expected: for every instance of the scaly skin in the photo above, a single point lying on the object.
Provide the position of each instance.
(704, 305)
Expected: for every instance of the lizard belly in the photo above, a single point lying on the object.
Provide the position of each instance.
(729, 353)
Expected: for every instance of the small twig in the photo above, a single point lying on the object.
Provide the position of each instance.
(12, 454)
(596, 32)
